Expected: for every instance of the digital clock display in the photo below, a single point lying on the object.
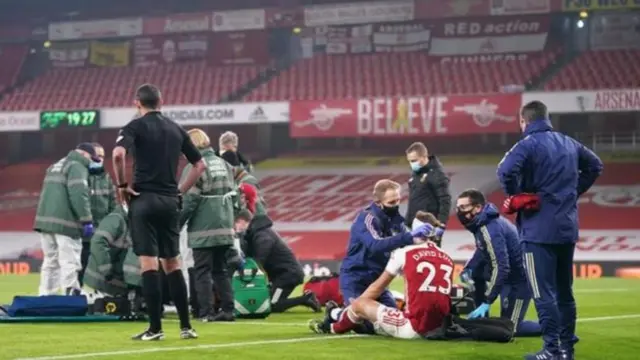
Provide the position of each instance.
(69, 119)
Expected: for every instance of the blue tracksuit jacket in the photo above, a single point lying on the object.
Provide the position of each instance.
(372, 237)
(558, 169)
(497, 245)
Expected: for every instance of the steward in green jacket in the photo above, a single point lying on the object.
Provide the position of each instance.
(113, 267)
(103, 193)
(243, 176)
(65, 203)
(208, 212)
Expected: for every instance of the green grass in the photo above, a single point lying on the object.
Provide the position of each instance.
(614, 339)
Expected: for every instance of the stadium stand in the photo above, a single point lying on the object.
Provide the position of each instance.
(604, 69)
(11, 58)
(409, 73)
(183, 83)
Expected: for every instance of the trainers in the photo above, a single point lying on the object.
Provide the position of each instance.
(221, 316)
(329, 306)
(319, 327)
(312, 302)
(567, 355)
(188, 334)
(543, 355)
(148, 335)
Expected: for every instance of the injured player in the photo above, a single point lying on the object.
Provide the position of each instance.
(428, 280)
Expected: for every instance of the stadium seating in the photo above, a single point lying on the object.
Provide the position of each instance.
(11, 59)
(608, 69)
(182, 83)
(409, 73)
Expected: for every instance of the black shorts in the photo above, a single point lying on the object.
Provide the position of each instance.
(155, 229)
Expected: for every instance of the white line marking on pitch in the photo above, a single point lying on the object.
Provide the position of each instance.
(193, 347)
(253, 343)
(605, 318)
(579, 291)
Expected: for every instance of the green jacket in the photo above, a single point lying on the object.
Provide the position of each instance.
(207, 208)
(261, 206)
(103, 196)
(65, 200)
(112, 256)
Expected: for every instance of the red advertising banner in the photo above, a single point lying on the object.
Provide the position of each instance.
(241, 48)
(408, 116)
(177, 23)
(490, 35)
(149, 51)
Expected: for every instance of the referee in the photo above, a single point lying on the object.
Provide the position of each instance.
(154, 199)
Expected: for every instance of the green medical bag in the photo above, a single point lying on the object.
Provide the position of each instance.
(251, 292)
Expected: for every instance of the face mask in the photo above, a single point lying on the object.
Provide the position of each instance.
(241, 234)
(415, 166)
(462, 216)
(391, 211)
(95, 168)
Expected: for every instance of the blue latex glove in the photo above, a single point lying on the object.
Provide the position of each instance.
(438, 232)
(466, 279)
(422, 231)
(480, 311)
(88, 230)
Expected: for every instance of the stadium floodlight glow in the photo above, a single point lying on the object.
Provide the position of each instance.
(580, 24)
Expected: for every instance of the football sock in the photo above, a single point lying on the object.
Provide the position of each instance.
(152, 293)
(335, 314)
(347, 321)
(178, 289)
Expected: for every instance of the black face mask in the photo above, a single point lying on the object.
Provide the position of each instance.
(391, 211)
(462, 216)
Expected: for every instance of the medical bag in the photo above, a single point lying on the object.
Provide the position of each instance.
(251, 292)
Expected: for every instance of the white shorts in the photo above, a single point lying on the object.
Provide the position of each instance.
(391, 322)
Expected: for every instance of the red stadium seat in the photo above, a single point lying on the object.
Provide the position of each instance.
(183, 83)
(608, 69)
(11, 59)
(395, 74)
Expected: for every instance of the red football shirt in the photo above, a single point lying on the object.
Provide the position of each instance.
(428, 273)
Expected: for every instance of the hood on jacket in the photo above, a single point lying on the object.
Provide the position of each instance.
(76, 156)
(259, 222)
(434, 163)
(488, 213)
(539, 125)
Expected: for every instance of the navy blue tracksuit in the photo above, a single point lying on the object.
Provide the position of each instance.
(372, 238)
(498, 250)
(558, 169)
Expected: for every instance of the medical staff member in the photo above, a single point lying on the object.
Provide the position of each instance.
(498, 247)
(543, 175)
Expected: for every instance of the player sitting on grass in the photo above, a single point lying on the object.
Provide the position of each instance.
(428, 280)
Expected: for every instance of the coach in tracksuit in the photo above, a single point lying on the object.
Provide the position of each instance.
(498, 247)
(376, 232)
(543, 175)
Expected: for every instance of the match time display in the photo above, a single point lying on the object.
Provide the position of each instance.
(69, 119)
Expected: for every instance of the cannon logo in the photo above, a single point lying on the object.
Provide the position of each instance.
(484, 113)
(323, 117)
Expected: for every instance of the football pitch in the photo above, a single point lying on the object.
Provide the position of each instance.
(608, 326)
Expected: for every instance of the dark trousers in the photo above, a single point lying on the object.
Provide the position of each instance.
(84, 259)
(550, 277)
(210, 266)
